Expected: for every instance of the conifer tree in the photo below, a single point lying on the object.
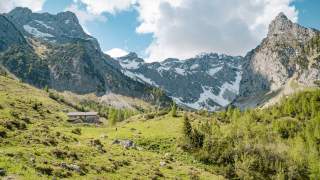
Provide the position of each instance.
(174, 110)
(187, 128)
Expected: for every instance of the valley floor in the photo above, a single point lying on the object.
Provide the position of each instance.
(36, 142)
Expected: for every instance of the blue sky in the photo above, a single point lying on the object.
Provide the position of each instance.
(309, 13)
(158, 29)
(118, 31)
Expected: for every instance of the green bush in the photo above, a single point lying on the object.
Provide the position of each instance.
(280, 142)
(76, 131)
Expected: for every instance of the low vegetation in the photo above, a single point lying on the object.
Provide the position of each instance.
(37, 141)
(281, 142)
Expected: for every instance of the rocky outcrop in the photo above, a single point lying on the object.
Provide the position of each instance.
(9, 34)
(207, 81)
(279, 57)
(57, 53)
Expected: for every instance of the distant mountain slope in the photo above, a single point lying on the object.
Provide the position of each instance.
(289, 51)
(53, 50)
(56, 52)
(208, 81)
(18, 56)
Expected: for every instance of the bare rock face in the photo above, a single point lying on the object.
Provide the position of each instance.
(14, 38)
(208, 81)
(280, 55)
(53, 50)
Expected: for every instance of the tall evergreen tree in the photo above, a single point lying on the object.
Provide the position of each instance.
(174, 110)
(187, 128)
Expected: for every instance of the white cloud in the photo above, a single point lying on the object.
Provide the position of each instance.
(85, 16)
(116, 52)
(8, 5)
(110, 6)
(184, 28)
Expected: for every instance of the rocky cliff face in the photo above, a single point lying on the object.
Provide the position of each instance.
(58, 50)
(208, 81)
(44, 49)
(60, 28)
(9, 34)
(279, 57)
(18, 56)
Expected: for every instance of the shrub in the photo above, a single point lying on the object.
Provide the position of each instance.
(3, 132)
(149, 116)
(287, 127)
(174, 110)
(280, 142)
(76, 131)
(45, 169)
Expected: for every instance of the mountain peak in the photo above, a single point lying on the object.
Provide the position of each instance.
(280, 24)
(131, 55)
(20, 10)
(281, 16)
(68, 15)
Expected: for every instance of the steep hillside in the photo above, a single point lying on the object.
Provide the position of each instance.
(208, 81)
(37, 142)
(18, 56)
(57, 53)
(279, 142)
(289, 51)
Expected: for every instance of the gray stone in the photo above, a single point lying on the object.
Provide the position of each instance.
(127, 144)
(162, 163)
(3, 172)
(189, 80)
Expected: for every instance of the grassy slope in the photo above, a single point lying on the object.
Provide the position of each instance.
(38, 139)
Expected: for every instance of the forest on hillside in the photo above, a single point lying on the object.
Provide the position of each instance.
(280, 142)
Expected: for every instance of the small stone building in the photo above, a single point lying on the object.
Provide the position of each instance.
(84, 117)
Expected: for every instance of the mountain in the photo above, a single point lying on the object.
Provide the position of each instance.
(207, 81)
(18, 56)
(289, 53)
(56, 52)
(288, 56)
(53, 50)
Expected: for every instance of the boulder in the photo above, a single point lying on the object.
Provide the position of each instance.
(127, 144)
(3, 172)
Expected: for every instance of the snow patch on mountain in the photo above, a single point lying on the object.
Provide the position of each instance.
(140, 78)
(180, 71)
(162, 69)
(203, 101)
(35, 32)
(44, 24)
(234, 87)
(194, 66)
(130, 64)
(209, 81)
(213, 71)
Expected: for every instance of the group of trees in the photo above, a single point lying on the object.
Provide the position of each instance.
(313, 46)
(280, 142)
(113, 115)
(26, 65)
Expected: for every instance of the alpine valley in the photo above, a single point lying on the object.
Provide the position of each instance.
(70, 111)
(54, 51)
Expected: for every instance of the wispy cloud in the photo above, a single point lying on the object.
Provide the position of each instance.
(184, 28)
(8, 5)
(84, 16)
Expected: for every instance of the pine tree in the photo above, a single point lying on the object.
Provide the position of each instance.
(174, 110)
(187, 128)
(112, 117)
(46, 88)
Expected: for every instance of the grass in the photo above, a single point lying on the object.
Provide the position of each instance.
(39, 143)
